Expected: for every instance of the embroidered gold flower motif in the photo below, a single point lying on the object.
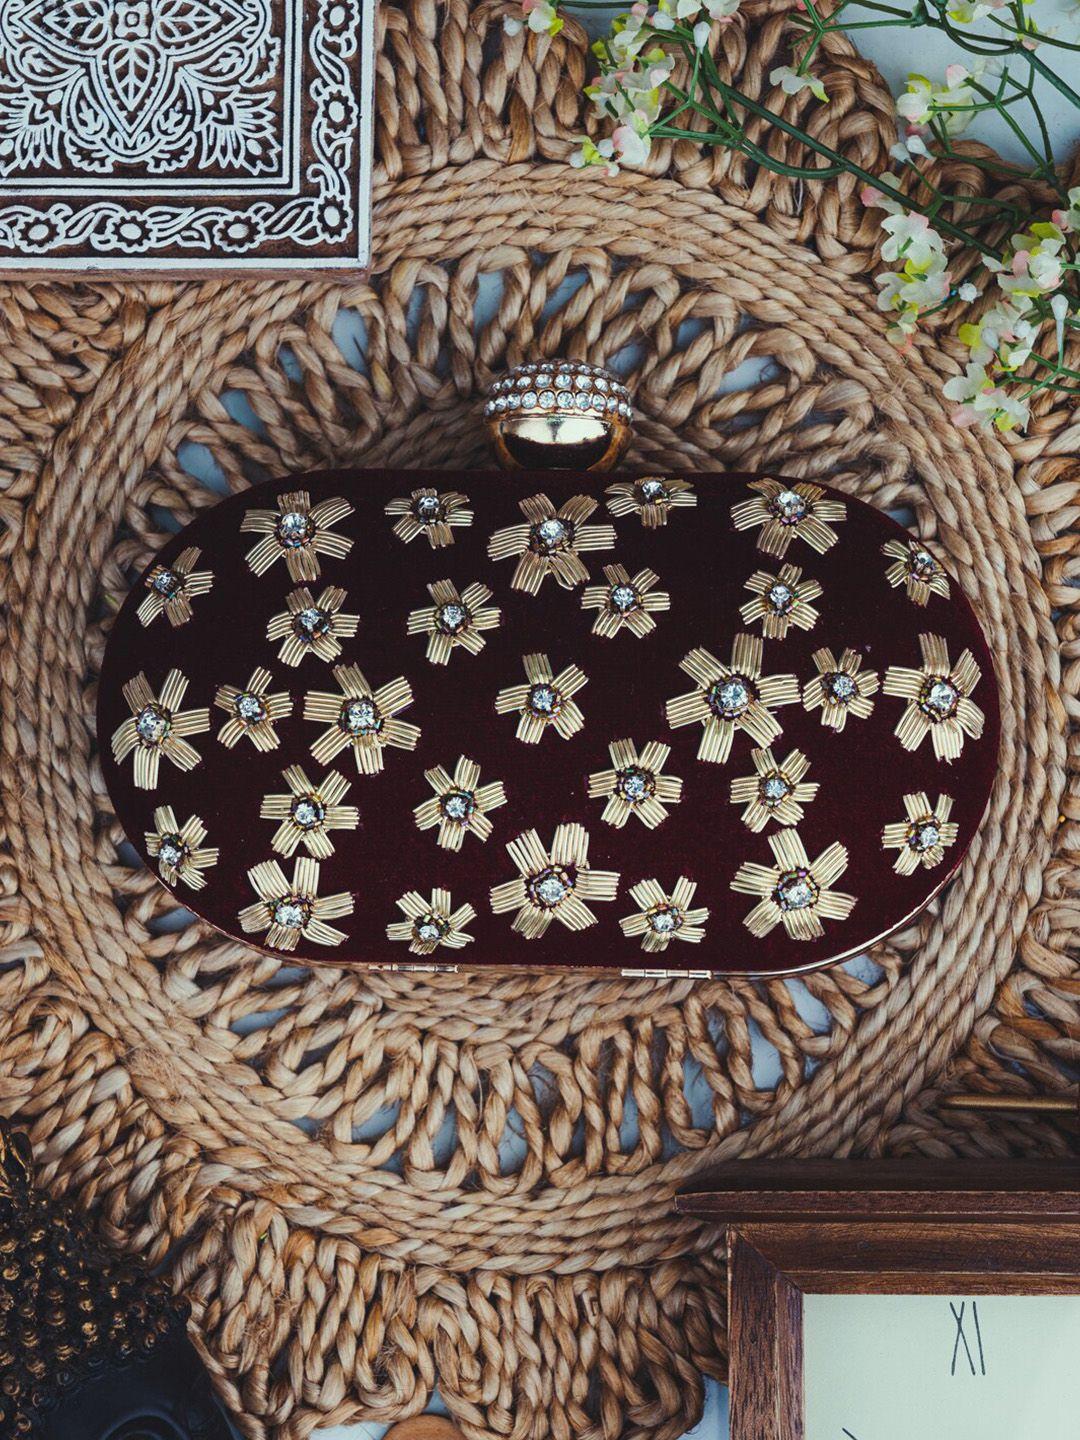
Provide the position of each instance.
(916, 569)
(841, 687)
(431, 923)
(363, 718)
(454, 619)
(288, 909)
(158, 727)
(787, 510)
(794, 891)
(252, 711)
(460, 805)
(623, 601)
(938, 700)
(924, 836)
(546, 700)
(300, 532)
(661, 917)
(781, 601)
(308, 812)
(731, 697)
(172, 588)
(773, 792)
(652, 496)
(635, 785)
(178, 849)
(551, 542)
(553, 885)
(312, 627)
(426, 512)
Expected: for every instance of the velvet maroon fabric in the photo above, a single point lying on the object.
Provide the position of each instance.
(704, 563)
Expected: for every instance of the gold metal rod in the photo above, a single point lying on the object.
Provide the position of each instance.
(1053, 1104)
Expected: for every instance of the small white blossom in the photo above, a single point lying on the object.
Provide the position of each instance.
(793, 83)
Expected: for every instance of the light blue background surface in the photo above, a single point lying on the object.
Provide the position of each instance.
(896, 54)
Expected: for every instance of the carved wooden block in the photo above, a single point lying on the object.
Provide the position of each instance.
(184, 135)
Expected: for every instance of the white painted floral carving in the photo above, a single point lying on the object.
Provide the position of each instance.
(162, 84)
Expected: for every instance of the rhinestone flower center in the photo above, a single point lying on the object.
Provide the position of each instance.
(168, 583)
(624, 598)
(780, 598)
(311, 622)
(789, 507)
(292, 912)
(451, 618)
(171, 850)
(308, 811)
(544, 701)
(294, 529)
(924, 835)
(428, 509)
(840, 688)
(665, 919)
(550, 887)
(153, 724)
(939, 698)
(636, 784)
(250, 707)
(551, 535)
(361, 717)
(457, 805)
(773, 789)
(652, 491)
(795, 890)
(731, 697)
(922, 563)
(430, 928)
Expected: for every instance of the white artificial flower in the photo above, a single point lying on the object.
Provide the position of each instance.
(1060, 307)
(951, 102)
(792, 83)
(701, 34)
(969, 292)
(911, 238)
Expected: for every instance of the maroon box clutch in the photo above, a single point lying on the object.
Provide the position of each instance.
(706, 724)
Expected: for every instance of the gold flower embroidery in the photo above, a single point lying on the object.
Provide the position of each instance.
(661, 918)
(300, 532)
(460, 805)
(252, 711)
(841, 687)
(916, 569)
(636, 785)
(938, 700)
(731, 697)
(794, 891)
(312, 627)
(426, 512)
(454, 619)
(431, 923)
(361, 717)
(158, 727)
(546, 700)
(551, 542)
(288, 909)
(308, 812)
(781, 601)
(924, 836)
(623, 601)
(172, 588)
(784, 511)
(178, 849)
(653, 497)
(773, 792)
(555, 885)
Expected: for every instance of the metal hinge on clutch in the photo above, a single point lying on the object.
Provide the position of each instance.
(667, 974)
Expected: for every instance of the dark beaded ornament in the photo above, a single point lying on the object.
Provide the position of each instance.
(91, 1345)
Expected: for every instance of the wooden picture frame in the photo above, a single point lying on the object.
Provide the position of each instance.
(793, 1229)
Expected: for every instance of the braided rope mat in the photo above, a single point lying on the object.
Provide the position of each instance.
(324, 1158)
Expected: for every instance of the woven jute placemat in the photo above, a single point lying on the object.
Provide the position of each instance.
(280, 1138)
